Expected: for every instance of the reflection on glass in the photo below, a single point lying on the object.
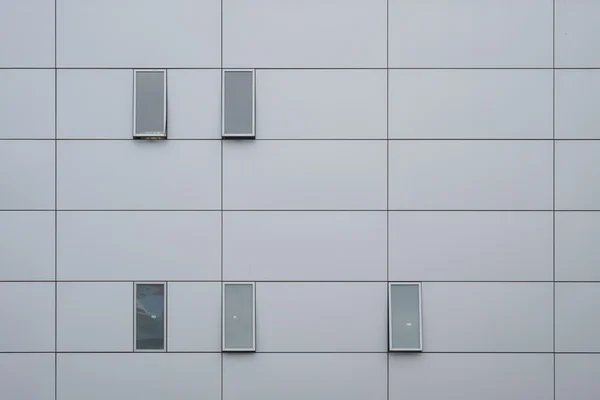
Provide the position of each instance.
(150, 317)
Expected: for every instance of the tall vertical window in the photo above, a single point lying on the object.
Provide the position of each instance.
(238, 104)
(150, 104)
(150, 306)
(238, 317)
(405, 317)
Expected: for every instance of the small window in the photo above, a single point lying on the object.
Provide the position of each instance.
(405, 317)
(150, 316)
(150, 104)
(238, 104)
(238, 317)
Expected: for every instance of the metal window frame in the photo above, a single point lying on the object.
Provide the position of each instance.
(250, 349)
(135, 290)
(154, 134)
(390, 305)
(252, 134)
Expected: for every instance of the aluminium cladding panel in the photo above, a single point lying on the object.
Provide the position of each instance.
(471, 104)
(577, 250)
(148, 376)
(27, 376)
(577, 97)
(26, 245)
(484, 33)
(487, 317)
(577, 376)
(27, 103)
(321, 104)
(309, 175)
(577, 171)
(471, 376)
(138, 175)
(304, 34)
(27, 177)
(470, 175)
(470, 246)
(139, 33)
(577, 320)
(301, 376)
(576, 33)
(27, 316)
(314, 316)
(27, 32)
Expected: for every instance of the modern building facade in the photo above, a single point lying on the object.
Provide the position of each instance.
(453, 144)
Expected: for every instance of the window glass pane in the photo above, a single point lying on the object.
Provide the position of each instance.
(238, 107)
(239, 317)
(150, 317)
(405, 317)
(149, 104)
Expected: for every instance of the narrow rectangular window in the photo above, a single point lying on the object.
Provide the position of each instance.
(238, 104)
(150, 306)
(405, 317)
(150, 104)
(238, 317)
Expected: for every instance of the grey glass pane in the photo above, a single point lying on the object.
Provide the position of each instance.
(239, 317)
(239, 96)
(150, 317)
(405, 319)
(149, 104)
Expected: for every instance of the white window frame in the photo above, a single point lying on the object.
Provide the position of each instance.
(135, 288)
(150, 135)
(253, 348)
(390, 305)
(252, 134)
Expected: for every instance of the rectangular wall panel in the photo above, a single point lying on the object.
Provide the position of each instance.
(304, 376)
(304, 246)
(470, 175)
(156, 376)
(471, 104)
(139, 175)
(27, 376)
(577, 94)
(577, 250)
(577, 171)
(321, 104)
(490, 33)
(297, 175)
(471, 376)
(470, 246)
(327, 317)
(577, 319)
(576, 33)
(577, 376)
(487, 317)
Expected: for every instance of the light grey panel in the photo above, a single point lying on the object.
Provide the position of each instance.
(333, 317)
(577, 94)
(238, 103)
(276, 175)
(471, 376)
(470, 175)
(577, 250)
(487, 317)
(139, 174)
(577, 319)
(308, 33)
(27, 376)
(322, 104)
(95, 316)
(27, 32)
(470, 246)
(470, 104)
(405, 316)
(576, 33)
(26, 245)
(150, 316)
(238, 316)
(27, 177)
(157, 376)
(488, 33)
(194, 316)
(577, 171)
(150, 102)
(577, 376)
(27, 103)
(305, 246)
(139, 245)
(27, 316)
(304, 376)
(143, 34)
